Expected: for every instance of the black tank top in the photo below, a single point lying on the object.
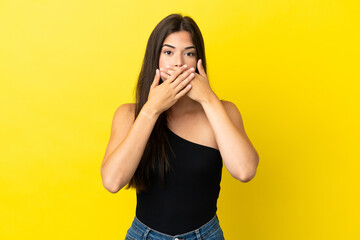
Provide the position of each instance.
(188, 199)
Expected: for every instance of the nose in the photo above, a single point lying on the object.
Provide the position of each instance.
(178, 61)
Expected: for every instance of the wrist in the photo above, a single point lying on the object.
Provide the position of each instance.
(149, 111)
(210, 99)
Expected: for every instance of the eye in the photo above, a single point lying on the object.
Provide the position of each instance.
(166, 52)
(190, 54)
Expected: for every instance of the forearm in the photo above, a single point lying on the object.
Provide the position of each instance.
(124, 160)
(238, 154)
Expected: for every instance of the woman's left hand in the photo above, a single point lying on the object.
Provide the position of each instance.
(200, 86)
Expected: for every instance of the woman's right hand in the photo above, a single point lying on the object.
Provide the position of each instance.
(162, 97)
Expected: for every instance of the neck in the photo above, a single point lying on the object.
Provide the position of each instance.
(183, 106)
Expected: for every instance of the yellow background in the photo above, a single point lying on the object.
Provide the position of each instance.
(291, 67)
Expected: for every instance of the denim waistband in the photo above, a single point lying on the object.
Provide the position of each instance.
(200, 233)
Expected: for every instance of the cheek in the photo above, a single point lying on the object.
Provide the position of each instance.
(192, 62)
(162, 63)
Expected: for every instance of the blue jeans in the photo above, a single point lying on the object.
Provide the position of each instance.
(209, 231)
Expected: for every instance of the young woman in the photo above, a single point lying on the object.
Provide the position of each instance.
(171, 144)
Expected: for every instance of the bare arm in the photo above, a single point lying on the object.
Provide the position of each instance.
(126, 146)
(239, 155)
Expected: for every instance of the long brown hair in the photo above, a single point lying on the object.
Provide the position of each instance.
(156, 145)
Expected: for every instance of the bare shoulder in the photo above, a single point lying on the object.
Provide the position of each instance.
(234, 114)
(230, 107)
(126, 108)
(123, 118)
(227, 103)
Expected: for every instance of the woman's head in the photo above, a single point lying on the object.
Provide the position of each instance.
(174, 28)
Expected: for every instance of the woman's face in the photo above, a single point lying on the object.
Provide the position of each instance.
(178, 50)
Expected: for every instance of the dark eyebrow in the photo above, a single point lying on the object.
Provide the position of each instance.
(174, 47)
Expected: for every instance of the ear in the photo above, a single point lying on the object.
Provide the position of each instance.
(201, 68)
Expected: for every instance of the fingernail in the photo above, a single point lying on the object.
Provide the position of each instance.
(192, 69)
(161, 69)
(185, 66)
(168, 66)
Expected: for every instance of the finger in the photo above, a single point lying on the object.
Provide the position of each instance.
(201, 68)
(169, 70)
(184, 75)
(177, 73)
(183, 92)
(185, 82)
(164, 75)
(156, 79)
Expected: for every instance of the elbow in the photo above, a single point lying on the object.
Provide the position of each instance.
(246, 178)
(111, 188)
(109, 184)
(250, 174)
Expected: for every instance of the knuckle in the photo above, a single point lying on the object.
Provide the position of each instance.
(186, 74)
(182, 85)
